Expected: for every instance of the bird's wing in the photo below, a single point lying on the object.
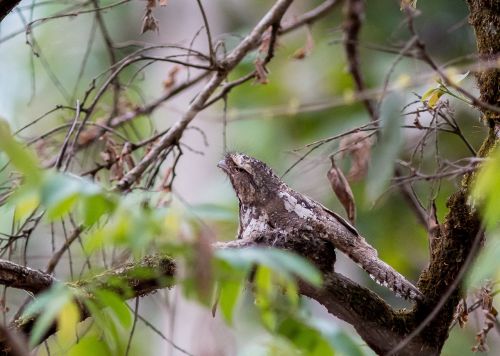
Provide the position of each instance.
(343, 221)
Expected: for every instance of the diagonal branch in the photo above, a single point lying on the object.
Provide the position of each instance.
(173, 135)
(342, 297)
(20, 277)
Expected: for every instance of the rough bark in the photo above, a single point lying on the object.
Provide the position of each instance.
(382, 327)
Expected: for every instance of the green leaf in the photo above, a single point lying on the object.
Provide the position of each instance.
(386, 150)
(95, 206)
(486, 190)
(265, 293)
(106, 324)
(427, 94)
(336, 337)
(434, 98)
(59, 193)
(47, 307)
(304, 337)
(117, 306)
(230, 292)
(280, 261)
(67, 321)
(21, 157)
(26, 201)
(486, 266)
(90, 345)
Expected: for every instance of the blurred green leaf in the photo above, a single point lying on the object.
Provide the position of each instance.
(67, 321)
(386, 150)
(486, 190)
(230, 292)
(60, 192)
(95, 206)
(106, 324)
(486, 266)
(306, 338)
(90, 345)
(26, 201)
(287, 263)
(46, 306)
(337, 338)
(117, 306)
(265, 295)
(21, 157)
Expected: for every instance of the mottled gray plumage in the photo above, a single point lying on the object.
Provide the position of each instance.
(269, 206)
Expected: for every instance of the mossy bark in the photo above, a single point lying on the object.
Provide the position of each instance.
(462, 227)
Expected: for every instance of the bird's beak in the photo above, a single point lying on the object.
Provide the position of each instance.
(222, 165)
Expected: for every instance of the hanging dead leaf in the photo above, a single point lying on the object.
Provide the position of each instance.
(260, 71)
(203, 271)
(149, 22)
(462, 313)
(171, 77)
(417, 123)
(305, 51)
(126, 157)
(342, 190)
(358, 147)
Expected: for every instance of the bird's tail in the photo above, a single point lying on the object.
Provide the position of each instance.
(366, 257)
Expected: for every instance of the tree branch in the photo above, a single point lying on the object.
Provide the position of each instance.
(20, 277)
(273, 16)
(342, 297)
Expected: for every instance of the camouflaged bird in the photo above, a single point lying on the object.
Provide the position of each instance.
(269, 207)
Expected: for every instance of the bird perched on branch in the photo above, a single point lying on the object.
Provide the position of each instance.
(269, 207)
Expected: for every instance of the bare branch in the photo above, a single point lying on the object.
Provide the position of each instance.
(175, 132)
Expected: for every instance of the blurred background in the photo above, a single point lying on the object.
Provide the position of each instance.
(305, 100)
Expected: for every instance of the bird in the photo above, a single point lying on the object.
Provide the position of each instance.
(269, 207)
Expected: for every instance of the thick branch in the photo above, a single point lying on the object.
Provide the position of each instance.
(17, 276)
(342, 297)
(485, 18)
(456, 243)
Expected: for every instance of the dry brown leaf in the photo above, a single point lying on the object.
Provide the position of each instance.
(149, 22)
(417, 123)
(260, 71)
(171, 77)
(490, 318)
(358, 147)
(342, 190)
(151, 4)
(461, 313)
(203, 271)
(126, 157)
(305, 51)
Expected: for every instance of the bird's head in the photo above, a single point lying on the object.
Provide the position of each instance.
(253, 181)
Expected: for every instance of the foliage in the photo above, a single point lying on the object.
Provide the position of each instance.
(113, 93)
(115, 221)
